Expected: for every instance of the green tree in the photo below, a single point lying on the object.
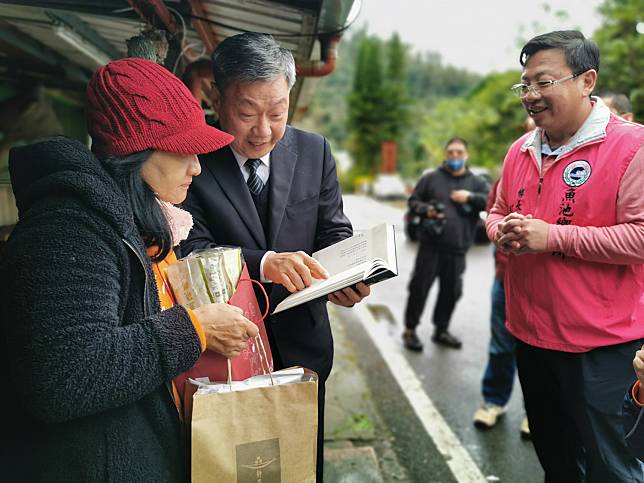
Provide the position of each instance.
(395, 108)
(622, 51)
(490, 118)
(365, 121)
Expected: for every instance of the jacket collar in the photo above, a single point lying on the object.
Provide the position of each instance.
(225, 171)
(593, 129)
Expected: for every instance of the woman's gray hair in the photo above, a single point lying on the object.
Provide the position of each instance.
(251, 57)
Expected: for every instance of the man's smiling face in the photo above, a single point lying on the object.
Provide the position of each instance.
(554, 107)
(256, 114)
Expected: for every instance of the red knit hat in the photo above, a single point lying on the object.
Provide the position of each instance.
(134, 104)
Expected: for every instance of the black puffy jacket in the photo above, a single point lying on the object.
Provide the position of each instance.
(460, 220)
(89, 354)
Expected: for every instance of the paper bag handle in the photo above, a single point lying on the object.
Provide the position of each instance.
(265, 314)
(262, 351)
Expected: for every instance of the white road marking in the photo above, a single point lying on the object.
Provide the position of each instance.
(456, 456)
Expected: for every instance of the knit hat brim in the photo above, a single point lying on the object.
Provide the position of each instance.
(199, 140)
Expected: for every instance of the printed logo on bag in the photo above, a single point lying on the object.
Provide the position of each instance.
(577, 173)
(259, 462)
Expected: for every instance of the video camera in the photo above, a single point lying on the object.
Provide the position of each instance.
(434, 226)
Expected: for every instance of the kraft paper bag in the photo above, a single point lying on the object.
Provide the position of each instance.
(266, 434)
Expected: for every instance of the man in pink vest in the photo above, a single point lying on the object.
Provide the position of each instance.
(570, 212)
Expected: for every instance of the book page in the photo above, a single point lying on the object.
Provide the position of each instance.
(350, 253)
(366, 253)
(382, 245)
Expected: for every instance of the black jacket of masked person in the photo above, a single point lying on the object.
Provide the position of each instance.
(457, 234)
(89, 353)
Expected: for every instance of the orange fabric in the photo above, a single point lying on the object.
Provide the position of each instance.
(166, 299)
(636, 394)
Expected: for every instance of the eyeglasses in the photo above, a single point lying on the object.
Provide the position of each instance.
(539, 87)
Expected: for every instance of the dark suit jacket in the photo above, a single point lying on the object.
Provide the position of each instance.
(305, 213)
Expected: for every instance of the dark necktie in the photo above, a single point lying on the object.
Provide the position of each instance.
(254, 182)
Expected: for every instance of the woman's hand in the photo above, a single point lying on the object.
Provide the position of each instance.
(226, 328)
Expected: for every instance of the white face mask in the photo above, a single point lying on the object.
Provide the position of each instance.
(180, 221)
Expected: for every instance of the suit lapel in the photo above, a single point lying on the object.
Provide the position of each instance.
(283, 162)
(224, 168)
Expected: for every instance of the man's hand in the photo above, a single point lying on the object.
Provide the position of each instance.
(348, 297)
(527, 235)
(638, 365)
(226, 328)
(459, 196)
(503, 229)
(294, 270)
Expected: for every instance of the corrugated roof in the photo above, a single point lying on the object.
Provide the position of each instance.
(294, 24)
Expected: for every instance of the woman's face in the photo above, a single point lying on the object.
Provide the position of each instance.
(170, 174)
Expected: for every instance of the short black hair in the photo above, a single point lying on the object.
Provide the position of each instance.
(582, 54)
(148, 215)
(456, 139)
(618, 100)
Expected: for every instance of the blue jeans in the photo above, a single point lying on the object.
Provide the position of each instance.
(501, 366)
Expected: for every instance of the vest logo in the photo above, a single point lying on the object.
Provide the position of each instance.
(259, 462)
(577, 173)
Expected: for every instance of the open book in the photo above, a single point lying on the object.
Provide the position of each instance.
(369, 256)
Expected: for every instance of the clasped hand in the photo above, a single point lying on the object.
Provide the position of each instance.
(520, 234)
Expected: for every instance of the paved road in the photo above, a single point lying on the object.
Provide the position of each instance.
(451, 378)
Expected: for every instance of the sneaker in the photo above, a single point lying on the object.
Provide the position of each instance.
(525, 429)
(411, 340)
(447, 339)
(488, 415)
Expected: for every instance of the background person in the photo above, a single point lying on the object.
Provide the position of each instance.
(88, 351)
(275, 193)
(570, 211)
(619, 104)
(449, 199)
(498, 378)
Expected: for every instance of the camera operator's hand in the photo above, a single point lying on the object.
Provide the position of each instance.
(294, 270)
(460, 196)
(433, 214)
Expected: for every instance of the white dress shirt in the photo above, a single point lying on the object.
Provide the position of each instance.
(263, 171)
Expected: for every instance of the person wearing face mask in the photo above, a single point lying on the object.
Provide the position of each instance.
(449, 200)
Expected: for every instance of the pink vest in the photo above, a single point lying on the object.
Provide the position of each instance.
(564, 303)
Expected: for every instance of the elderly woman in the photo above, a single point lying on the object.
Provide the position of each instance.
(90, 354)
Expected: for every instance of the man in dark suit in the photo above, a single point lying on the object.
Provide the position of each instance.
(275, 193)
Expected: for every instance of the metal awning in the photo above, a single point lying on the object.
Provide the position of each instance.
(59, 43)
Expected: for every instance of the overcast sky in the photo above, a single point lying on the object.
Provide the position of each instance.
(477, 34)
